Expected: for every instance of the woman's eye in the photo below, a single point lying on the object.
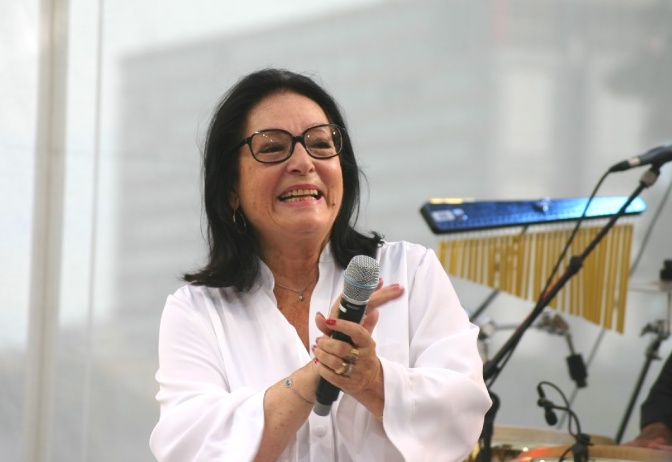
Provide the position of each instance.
(321, 144)
(271, 148)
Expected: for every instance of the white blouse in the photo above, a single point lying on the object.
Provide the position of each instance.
(219, 350)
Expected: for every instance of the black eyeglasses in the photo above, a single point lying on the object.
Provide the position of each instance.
(274, 145)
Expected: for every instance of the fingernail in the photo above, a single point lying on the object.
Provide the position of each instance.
(320, 314)
(315, 360)
(317, 339)
(313, 347)
(331, 322)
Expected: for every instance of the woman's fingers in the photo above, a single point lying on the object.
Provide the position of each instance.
(370, 320)
(385, 294)
(380, 297)
(320, 321)
(354, 368)
(350, 367)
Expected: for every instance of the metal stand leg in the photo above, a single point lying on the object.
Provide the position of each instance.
(662, 330)
(651, 354)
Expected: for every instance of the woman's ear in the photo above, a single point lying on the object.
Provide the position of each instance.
(234, 200)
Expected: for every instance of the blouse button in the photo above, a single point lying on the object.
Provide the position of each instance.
(320, 430)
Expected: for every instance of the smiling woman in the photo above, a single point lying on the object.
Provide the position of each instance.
(292, 202)
(238, 373)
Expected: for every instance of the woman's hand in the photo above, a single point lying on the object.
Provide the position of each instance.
(379, 297)
(355, 369)
(654, 436)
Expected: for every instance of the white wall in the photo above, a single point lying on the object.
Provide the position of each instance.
(489, 100)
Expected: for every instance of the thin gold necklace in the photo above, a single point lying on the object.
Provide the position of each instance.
(300, 292)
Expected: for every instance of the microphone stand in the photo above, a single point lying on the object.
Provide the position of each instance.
(651, 355)
(492, 367)
(485, 451)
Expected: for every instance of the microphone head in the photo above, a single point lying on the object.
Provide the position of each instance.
(361, 278)
(551, 418)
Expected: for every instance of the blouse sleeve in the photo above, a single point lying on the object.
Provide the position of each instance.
(435, 405)
(201, 419)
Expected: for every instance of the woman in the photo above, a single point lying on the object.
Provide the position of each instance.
(244, 345)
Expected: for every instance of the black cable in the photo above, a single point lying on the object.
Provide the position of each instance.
(581, 440)
(567, 408)
(571, 237)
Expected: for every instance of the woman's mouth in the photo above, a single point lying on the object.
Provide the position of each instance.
(298, 195)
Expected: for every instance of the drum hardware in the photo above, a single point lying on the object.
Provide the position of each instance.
(609, 453)
(577, 368)
(553, 324)
(509, 442)
(661, 330)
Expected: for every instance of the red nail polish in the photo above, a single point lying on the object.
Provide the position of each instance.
(315, 360)
(330, 322)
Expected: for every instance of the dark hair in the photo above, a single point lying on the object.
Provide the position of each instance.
(233, 256)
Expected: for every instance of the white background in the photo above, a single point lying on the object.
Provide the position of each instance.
(491, 100)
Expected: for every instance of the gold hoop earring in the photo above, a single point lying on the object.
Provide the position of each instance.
(242, 227)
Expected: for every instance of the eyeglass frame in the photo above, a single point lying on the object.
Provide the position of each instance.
(295, 139)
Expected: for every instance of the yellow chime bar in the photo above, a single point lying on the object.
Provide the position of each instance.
(519, 260)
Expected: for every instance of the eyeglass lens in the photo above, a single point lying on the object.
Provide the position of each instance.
(323, 141)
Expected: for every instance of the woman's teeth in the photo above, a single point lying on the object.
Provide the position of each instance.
(299, 195)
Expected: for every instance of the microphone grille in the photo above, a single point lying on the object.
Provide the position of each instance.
(361, 278)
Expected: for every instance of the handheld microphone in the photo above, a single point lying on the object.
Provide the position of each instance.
(658, 155)
(361, 279)
(549, 414)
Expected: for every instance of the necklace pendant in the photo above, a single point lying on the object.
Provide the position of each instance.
(301, 297)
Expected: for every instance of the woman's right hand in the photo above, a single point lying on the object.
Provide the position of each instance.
(364, 377)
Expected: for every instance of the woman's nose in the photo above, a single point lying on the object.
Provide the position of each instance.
(300, 161)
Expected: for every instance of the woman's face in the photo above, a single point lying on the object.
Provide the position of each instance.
(295, 199)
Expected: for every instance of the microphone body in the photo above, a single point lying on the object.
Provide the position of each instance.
(361, 279)
(658, 155)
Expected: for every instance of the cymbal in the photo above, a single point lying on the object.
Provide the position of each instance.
(652, 286)
(524, 437)
(612, 453)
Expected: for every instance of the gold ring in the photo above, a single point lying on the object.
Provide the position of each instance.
(341, 370)
(353, 356)
(348, 370)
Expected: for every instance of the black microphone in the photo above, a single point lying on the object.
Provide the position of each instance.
(658, 155)
(551, 418)
(361, 279)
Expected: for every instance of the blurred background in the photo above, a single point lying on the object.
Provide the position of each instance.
(104, 108)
